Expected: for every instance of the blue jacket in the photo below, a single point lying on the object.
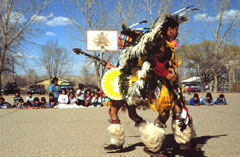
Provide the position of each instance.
(205, 101)
(219, 102)
(192, 102)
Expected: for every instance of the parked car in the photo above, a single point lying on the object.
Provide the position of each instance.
(66, 85)
(37, 89)
(196, 88)
(10, 88)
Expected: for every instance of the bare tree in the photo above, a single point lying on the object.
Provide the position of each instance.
(16, 17)
(199, 57)
(220, 26)
(93, 14)
(55, 59)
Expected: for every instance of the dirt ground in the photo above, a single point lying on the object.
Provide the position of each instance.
(83, 132)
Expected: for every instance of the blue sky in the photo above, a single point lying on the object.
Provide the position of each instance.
(56, 25)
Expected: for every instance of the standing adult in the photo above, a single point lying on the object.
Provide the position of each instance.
(54, 88)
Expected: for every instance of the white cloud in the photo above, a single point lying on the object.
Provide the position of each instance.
(58, 21)
(16, 17)
(50, 33)
(228, 16)
(41, 19)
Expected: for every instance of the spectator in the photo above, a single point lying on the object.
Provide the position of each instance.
(2, 103)
(189, 90)
(194, 100)
(96, 100)
(36, 103)
(16, 99)
(80, 95)
(63, 98)
(21, 104)
(71, 90)
(220, 100)
(207, 100)
(51, 97)
(29, 97)
(87, 98)
(97, 90)
(54, 88)
(105, 98)
(72, 99)
(52, 103)
(44, 103)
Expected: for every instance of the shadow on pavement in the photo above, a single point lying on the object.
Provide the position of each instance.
(170, 148)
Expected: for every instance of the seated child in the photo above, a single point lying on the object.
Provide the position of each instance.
(21, 104)
(44, 103)
(16, 99)
(51, 103)
(105, 98)
(63, 98)
(194, 100)
(96, 100)
(207, 100)
(72, 98)
(80, 97)
(220, 100)
(36, 103)
(29, 97)
(2, 103)
(87, 98)
(51, 97)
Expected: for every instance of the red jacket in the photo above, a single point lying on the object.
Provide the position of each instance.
(161, 64)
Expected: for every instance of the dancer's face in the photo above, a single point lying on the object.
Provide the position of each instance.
(172, 33)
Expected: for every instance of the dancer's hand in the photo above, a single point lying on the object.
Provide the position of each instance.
(171, 77)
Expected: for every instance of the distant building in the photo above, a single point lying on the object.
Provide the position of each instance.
(46, 83)
(234, 76)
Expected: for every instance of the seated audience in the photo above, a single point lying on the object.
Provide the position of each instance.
(71, 90)
(105, 98)
(3, 104)
(80, 96)
(21, 104)
(96, 100)
(220, 100)
(207, 100)
(194, 100)
(16, 99)
(29, 97)
(87, 98)
(51, 98)
(44, 103)
(63, 97)
(72, 99)
(97, 90)
(52, 103)
(36, 103)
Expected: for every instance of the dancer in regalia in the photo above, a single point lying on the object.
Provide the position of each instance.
(147, 77)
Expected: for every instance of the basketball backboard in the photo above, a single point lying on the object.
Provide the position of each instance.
(98, 40)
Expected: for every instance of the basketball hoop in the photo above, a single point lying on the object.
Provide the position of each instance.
(102, 40)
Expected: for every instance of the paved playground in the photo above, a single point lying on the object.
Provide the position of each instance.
(82, 132)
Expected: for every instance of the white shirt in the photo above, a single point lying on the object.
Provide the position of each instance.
(63, 99)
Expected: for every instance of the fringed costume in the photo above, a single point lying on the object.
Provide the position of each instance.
(145, 64)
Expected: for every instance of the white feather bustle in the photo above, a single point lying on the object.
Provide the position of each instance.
(152, 136)
(182, 137)
(134, 94)
(117, 134)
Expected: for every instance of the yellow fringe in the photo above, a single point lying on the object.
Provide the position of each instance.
(164, 102)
